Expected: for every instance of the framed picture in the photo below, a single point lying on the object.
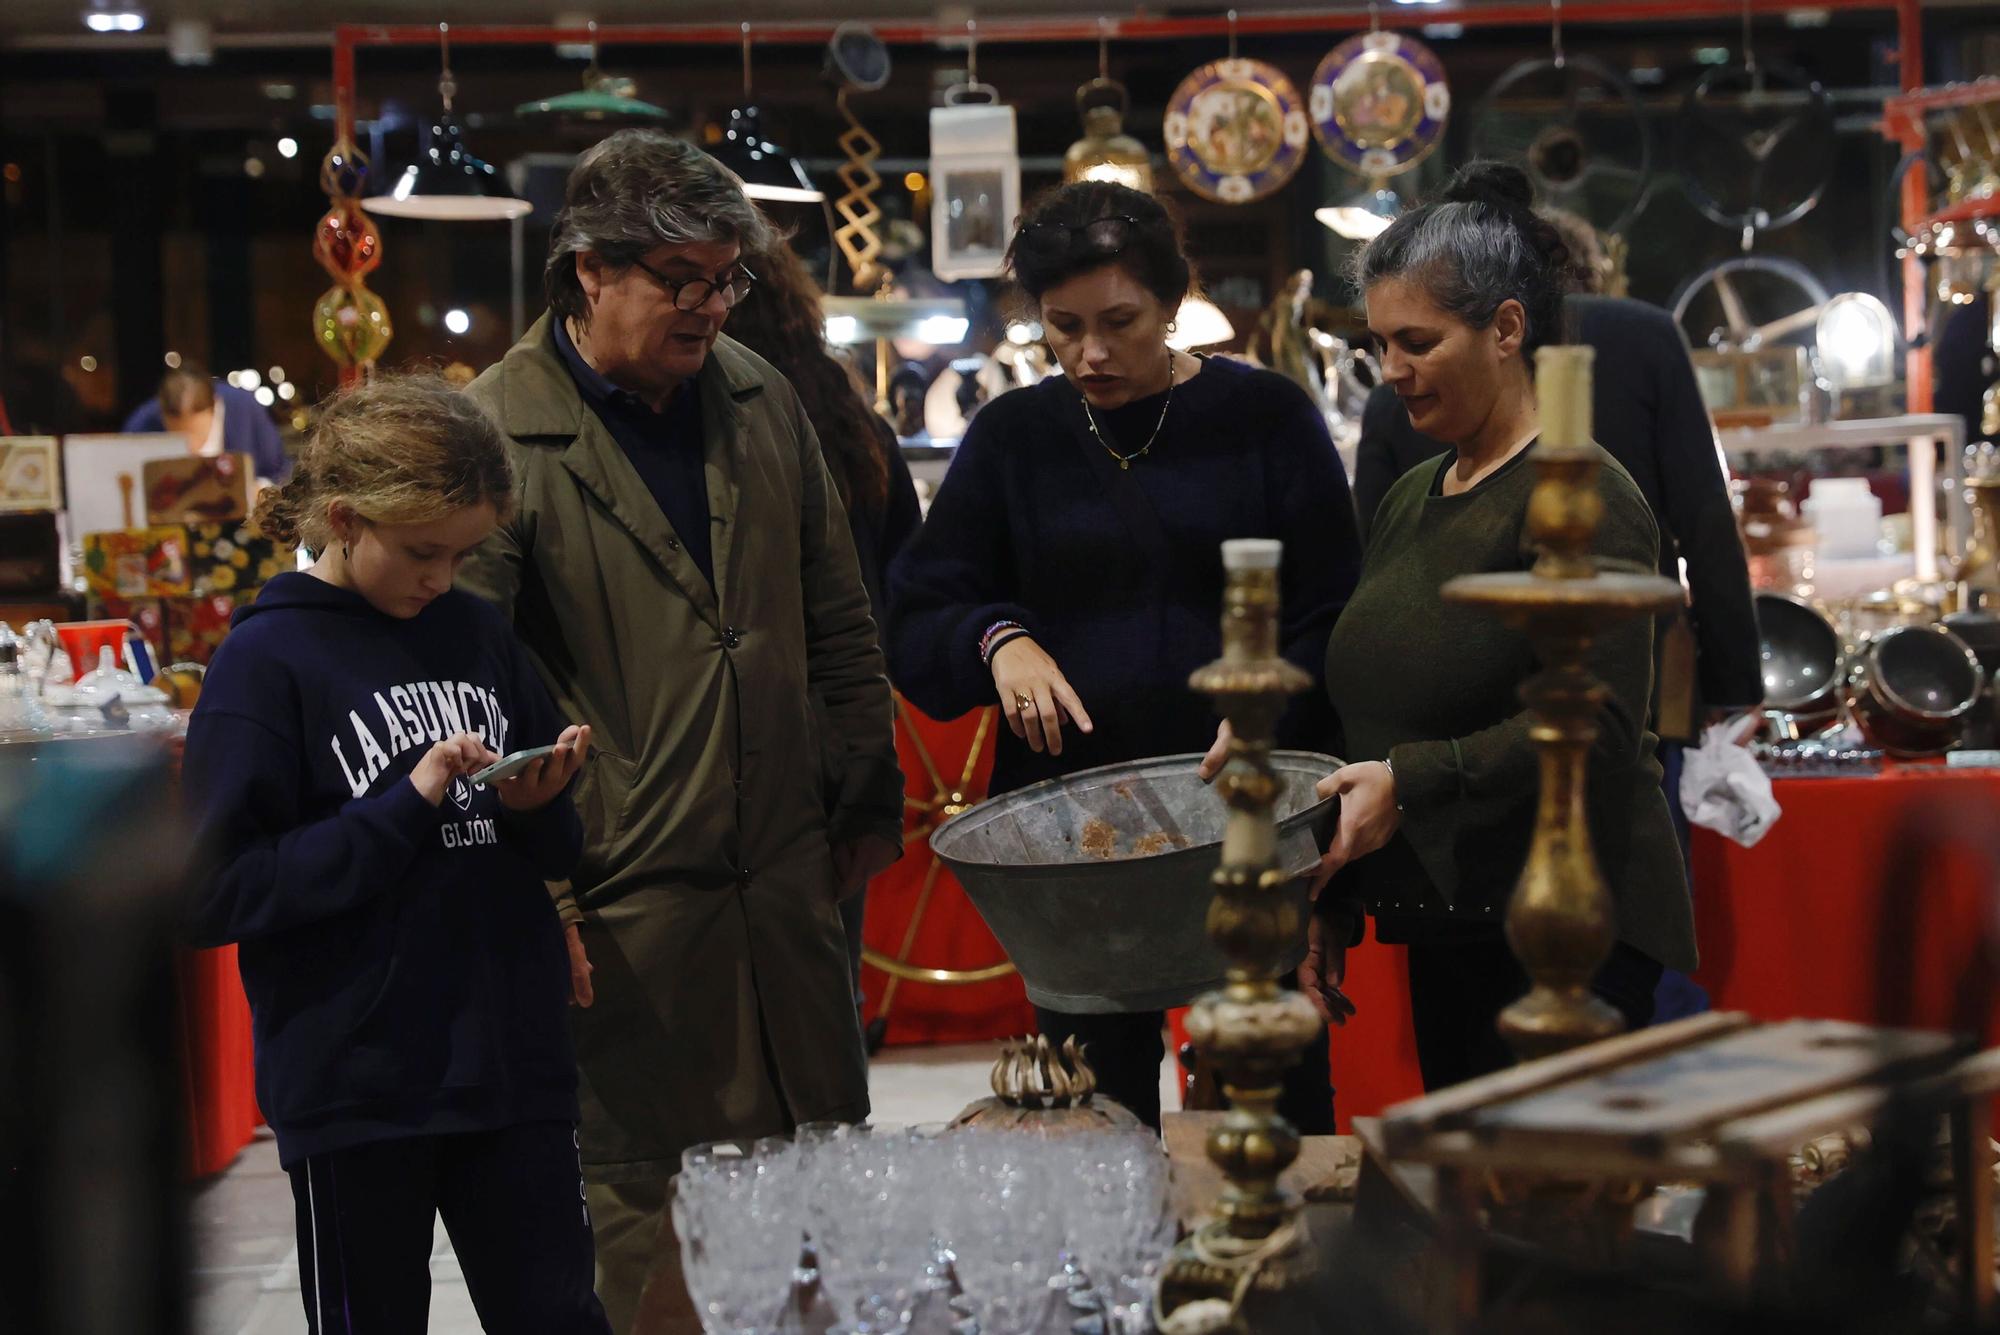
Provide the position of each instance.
(104, 478)
(199, 489)
(30, 474)
(137, 563)
(976, 189)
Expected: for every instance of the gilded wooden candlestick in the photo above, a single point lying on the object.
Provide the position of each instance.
(1979, 572)
(1231, 1273)
(1559, 922)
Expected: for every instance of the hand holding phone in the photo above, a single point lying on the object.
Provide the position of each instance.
(508, 767)
(542, 773)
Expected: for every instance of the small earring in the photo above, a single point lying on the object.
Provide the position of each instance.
(1173, 326)
(345, 554)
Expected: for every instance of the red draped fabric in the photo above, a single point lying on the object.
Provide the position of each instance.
(218, 1087)
(1787, 929)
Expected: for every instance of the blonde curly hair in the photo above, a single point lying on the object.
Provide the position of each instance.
(402, 449)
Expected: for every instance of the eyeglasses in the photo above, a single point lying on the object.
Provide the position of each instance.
(1104, 236)
(691, 294)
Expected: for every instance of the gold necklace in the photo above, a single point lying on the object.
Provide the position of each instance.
(1125, 460)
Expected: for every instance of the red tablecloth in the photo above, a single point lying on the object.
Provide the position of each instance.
(1787, 928)
(218, 1086)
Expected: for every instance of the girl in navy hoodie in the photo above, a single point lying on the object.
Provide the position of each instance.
(406, 973)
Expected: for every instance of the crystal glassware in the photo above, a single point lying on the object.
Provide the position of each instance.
(737, 1211)
(870, 1209)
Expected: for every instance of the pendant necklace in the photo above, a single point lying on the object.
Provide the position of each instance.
(1125, 460)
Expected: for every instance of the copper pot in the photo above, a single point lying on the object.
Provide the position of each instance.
(1914, 688)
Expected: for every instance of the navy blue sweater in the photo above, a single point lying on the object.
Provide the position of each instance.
(1025, 528)
(405, 969)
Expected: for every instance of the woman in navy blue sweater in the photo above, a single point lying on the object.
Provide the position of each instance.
(407, 978)
(1071, 569)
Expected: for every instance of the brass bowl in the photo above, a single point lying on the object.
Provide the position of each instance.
(1914, 689)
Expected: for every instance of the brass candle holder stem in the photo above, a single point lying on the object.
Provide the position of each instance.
(1251, 1029)
(1978, 575)
(1559, 921)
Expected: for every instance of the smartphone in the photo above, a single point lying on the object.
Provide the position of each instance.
(508, 767)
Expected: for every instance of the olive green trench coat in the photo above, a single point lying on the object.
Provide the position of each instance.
(739, 729)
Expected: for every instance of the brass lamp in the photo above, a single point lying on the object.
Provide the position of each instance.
(1106, 152)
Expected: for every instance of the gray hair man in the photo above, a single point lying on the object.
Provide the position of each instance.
(682, 575)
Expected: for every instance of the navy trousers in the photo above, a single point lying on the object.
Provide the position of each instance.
(512, 1201)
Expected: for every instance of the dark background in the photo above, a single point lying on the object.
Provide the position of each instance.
(145, 208)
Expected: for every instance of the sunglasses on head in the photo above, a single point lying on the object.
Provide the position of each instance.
(1103, 236)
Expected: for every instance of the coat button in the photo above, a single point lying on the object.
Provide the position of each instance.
(732, 637)
(673, 544)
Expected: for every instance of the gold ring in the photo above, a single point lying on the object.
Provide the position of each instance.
(1022, 700)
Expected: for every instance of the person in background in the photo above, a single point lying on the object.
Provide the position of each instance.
(1070, 568)
(1648, 414)
(682, 577)
(214, 418)
(1438, 798)
(782, 322)
(405, 968)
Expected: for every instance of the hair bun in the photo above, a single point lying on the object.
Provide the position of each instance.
(1499, 184)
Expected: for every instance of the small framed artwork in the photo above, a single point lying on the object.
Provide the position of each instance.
(976, 189)
(30, 474)
(137, 562)
(199, 489)
(104, 477)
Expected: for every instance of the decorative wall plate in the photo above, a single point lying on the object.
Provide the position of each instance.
(1236, 130)
(1379, 103)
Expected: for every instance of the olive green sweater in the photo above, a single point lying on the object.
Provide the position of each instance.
(1433, 688)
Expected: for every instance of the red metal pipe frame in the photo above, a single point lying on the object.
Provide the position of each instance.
(1916, 205)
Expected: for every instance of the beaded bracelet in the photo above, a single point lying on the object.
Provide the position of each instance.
(995, 633)
(1001, 641)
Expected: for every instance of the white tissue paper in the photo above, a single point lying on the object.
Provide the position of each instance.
(1723, 788)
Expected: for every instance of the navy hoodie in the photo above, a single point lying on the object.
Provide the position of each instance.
(405, 968)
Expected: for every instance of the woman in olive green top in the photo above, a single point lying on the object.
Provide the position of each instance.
(1438, 797)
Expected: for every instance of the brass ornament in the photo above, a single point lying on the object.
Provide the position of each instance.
(1038, 1087)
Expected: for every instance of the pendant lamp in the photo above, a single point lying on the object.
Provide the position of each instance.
(1106, 152)
(603, 97)
(446, 183)
(768, 171)
(1199, 323)
(1365, 216)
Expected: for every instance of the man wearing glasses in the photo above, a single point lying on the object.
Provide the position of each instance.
(681, 572)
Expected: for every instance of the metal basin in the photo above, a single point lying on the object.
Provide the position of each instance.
(1803, 663)
(1098, 884)
(1913, 689)
(1801, 653)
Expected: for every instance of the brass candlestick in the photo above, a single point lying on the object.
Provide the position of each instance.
(1229, 1273)
(1559, 922)
(1979, 573)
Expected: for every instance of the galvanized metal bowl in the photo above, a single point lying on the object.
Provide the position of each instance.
(1097, 885)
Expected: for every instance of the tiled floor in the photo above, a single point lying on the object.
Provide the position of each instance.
(247, 1280)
